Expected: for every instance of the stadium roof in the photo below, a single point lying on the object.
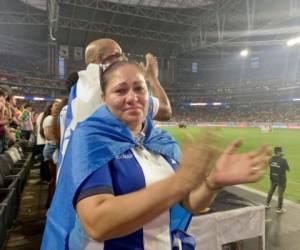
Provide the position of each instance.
(165, 27)
(42, 4)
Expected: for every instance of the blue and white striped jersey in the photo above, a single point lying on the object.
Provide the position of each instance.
(133, 170)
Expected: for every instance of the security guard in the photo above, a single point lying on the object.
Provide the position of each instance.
(278, 167)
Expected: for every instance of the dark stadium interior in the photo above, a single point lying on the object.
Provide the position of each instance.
(197, 44)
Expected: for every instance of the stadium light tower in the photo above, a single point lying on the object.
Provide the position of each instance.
(244, 53)
(293, 41)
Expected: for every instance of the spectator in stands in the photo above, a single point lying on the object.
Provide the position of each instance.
(278, 168)
(15, 112)
(55, 135)
(8, 110)
(40, 144)
(26, 122)
(119, 173)
(56, 126)
(10, 137)
(3, 121)
(59, 119)
(33, 118)
(48, 134)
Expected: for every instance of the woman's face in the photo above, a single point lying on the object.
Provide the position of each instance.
(2, 99)
(13, 101)
(54, 107)
(126, 95)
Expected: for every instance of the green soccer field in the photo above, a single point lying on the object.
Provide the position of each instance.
(252, 138)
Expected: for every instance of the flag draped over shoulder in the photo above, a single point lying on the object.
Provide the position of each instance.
(95, 142)
(84, 99)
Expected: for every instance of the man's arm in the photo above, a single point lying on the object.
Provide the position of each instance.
(164, 111)
(287, 167)
(151, 74)
(4, 121)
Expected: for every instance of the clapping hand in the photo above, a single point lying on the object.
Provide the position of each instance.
(151, 67)
(199, 156)
(232, 168)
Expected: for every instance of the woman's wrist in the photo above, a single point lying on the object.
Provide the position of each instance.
(186, 180)
(211, 185)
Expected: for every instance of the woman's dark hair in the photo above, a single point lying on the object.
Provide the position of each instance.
(2, 93)
(27, 105)
(47, 111)
(71, 80)
(55, 122)
(104, 74)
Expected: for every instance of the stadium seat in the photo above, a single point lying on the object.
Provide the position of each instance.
(13, 159)
(10, 183)
(7, 170)
(3, 225)
(24, 154)
(8, 200)
(26, 146)
(18, 161)
(15, 154)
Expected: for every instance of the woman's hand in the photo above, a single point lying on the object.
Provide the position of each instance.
(232, 168)
(199, 155)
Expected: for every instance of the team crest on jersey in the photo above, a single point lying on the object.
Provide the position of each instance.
(125, 156)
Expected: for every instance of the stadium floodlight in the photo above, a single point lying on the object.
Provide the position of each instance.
(38, 98)
(296, 99)
(35, 98)
(216, 103)
(293, 41)
(19, 97)
(198, 104)
(244, 53)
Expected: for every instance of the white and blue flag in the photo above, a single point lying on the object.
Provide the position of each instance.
(94, 143)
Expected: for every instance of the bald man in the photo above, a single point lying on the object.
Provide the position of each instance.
(105, 51)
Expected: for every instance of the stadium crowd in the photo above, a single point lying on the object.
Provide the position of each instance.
(239, 91)
(28, 79)
(264, 112)
(16, 121)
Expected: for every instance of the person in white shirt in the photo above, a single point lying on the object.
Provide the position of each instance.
(39, 148)
(26, 122)
(47, 132)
